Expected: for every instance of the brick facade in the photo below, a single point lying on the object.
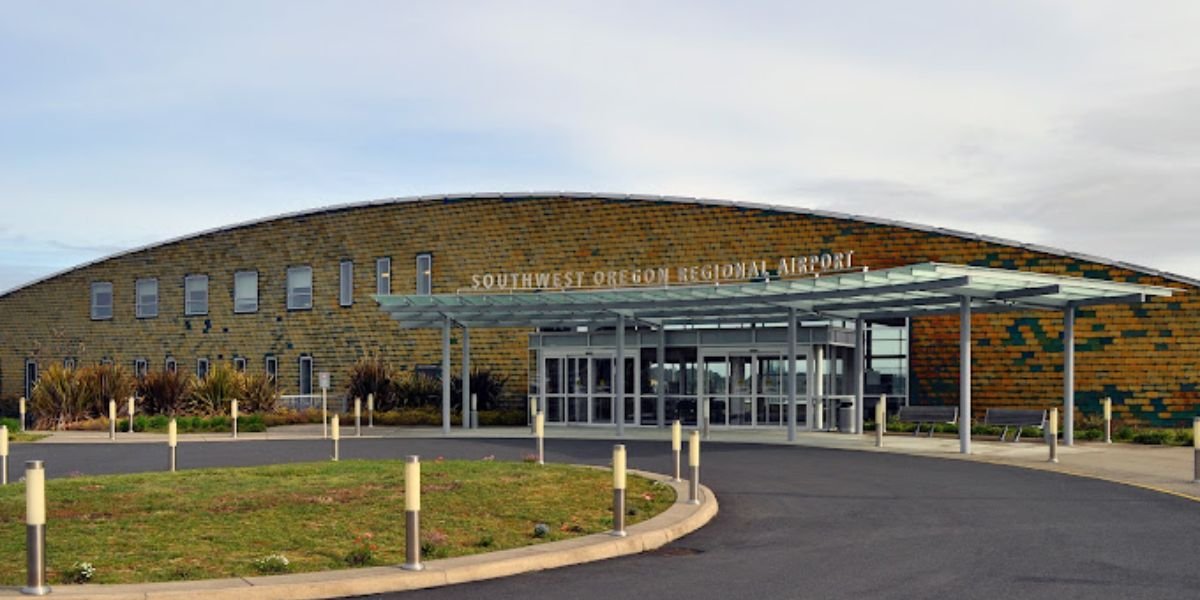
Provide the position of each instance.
(1144, 357)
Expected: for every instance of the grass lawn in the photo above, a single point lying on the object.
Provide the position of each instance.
(209, 523)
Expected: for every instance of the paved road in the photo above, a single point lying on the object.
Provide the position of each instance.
(809, 523)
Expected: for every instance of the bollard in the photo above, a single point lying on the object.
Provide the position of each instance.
(533, 413)
(324, 415)
(336, 433)
(539, 431)
(704, 411)
(3, 454)
(35, 529)
(233, 416)
(474, 411)
(1196, 449)
(819, 421)
(676, 446)
(172, 441)
(1052, 440)
(618, 490)
(112, 420)
(880, 420)
(1108, 420)
(131, 414)
(412, 513)
(370, 411)
(22, 409)
(358, 417)
(694, 463)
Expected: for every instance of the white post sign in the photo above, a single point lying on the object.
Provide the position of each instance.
(324, 378)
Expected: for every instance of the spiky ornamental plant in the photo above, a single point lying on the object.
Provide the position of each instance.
(213, 394)
(105, 382)
(373, 376)
(59, 398)
(165, 392)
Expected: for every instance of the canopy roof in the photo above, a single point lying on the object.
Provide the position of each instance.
(910, 291)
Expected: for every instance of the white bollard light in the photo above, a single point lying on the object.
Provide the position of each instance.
(370, 411)
(1196, 449)
(112, 420)
(172, 441)
(324, 415)
(412, 514)
(22, 409)
(676, 446)
(1108, 420)
(474, 411)
(336, 433)
(1053, 433)
(35, 529)
(880, 420)
(233, 412)
(3, 454)
(131, 407)
(539, 431)
(358, 417)
(618, 490)
(694, 463)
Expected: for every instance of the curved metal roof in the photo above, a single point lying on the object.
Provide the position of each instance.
(910, 291)
(627, 197)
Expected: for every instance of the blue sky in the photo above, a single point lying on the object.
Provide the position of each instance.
(1070, 124)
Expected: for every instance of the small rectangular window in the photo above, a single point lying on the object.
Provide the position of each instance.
(141, 367)
(31, 377)
(69, 362)
(383, 276)
(306, 369)
(239, 364)
(146, 302)
(202, 368)
(424, 274)
(106, 361)
(299, 288)
(195, 289)
(346, 283)
(245, 292)
(170, 365)
(102, 300)
(272, 367)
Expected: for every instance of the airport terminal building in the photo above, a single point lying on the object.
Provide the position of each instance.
(631, 310)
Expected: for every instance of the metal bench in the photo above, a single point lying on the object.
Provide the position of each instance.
(927, 414)
(1014, 417)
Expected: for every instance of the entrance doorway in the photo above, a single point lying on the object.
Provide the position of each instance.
(744, 388)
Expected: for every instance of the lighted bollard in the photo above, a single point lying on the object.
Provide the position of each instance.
(336, 433)
(370, 411)
(1053, 435)
(694, 463)
(358, 417)
(22, 409)
(131, 414)
(112, 420)
(324, 415)
(880, 420)
(35, 529)
(172, 441)
(618, 490)
(539, 431)
(474, 411)
(1108, 420)
(3, 454)
(533, 413)
(412, 513)
(1196, 449)
(233, 416)
(676, 446)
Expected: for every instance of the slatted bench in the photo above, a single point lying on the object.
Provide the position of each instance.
(927, 414)
(1014, 417)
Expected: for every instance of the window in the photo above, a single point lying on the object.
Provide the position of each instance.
(146, 302)
(106, 362)
(346, 283)
(31, 376)
(383, 276)
(170, 365)
(102, 300)
(69, 362)
(202, 368)
(430, 371)
(195, 289)
(306, 368)
(424, 274)
(245, 292)
(299, 288)
(239, 364)
(272, 367)
(141, 367)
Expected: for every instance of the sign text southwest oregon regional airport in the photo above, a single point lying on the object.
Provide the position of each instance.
(664, 275)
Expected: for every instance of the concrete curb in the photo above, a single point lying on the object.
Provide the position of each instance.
(675, 522)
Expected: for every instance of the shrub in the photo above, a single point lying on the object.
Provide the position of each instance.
(513, 418)
(416, 390)
(273, 563)
(60, 398)
(102, 383)
(373, 376)
(258, 394)
(363, 550)
(1153, 437)
(80, 572)
(212, 394)
(165, 392)
(487, 386)
(294, 417)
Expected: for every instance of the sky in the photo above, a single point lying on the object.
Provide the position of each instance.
(1072, 124)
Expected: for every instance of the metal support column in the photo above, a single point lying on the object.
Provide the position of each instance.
(791, 374)
(859, 365)
(964, 376)
(819, 382)
(661, 356)
(446, 377)
(1069, 375)
(466, 377)
(619, 378)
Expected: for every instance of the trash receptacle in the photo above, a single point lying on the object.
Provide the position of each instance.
(845, 417)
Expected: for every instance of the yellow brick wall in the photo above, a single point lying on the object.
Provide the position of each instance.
(1145, 357)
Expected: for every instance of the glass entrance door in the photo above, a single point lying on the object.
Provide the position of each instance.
(747, 388)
